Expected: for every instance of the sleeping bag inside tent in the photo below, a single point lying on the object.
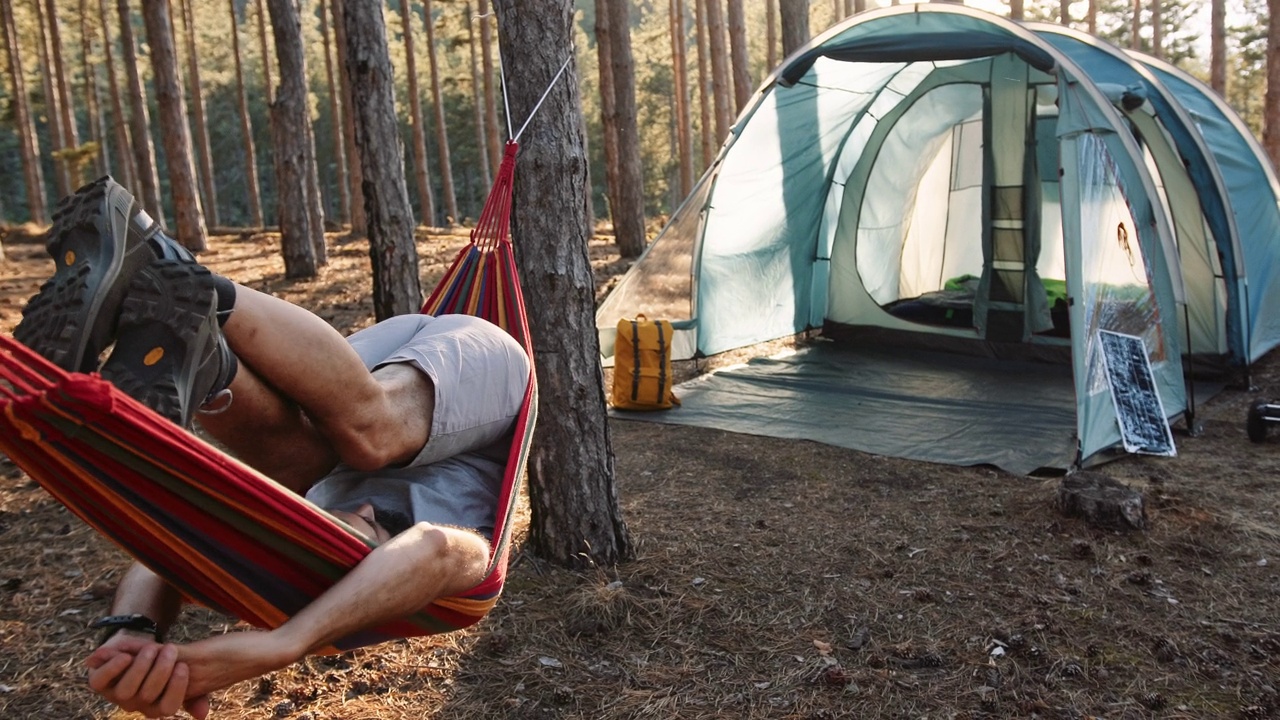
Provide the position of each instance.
(960, 211)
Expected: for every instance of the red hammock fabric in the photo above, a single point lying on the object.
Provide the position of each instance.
(223, 534)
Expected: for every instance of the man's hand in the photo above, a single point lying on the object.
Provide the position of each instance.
(140, 675)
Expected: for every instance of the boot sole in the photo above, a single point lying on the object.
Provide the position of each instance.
(68, 321)
(169, 311)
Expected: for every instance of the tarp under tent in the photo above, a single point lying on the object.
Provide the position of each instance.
(962, 212)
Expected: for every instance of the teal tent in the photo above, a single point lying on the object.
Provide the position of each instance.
(955, 204)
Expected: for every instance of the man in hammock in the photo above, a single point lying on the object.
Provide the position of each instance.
(400, 431)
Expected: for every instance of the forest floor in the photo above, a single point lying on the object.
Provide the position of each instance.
(772, 579)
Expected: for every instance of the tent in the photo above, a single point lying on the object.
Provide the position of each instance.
(959, 205)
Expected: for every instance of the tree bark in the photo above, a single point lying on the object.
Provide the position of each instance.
(706, 124)
(426, 203)
(53, 113)
(1091, 17)
(28, 141)
(355, 173)
(721, 85)
(683, 122)
(771, 34)
(608, 106)
(251, 189)
(477, 90)
(268, 87)
(93, 105)
(1135, 26)
(1218, 46)
(335, 118)
(576, 518)
(795, 25)
(491, 121)
(124, 168)
(191, 228)
(144, 150)
(1271, 114)
(1064, 12)
(442, 132)
(204, 156)
(62, 86)
(394, 256)
(301, 220)
(1016, 11)
(741, 64)
(628, 210)
(1157, 28)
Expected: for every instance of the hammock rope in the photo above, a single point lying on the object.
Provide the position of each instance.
(220, 532)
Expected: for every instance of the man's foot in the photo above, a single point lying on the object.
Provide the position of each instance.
(99, 240)
(170, 354)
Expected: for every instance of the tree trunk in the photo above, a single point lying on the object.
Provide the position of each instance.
(1016, 11)
(61, 176)
(442, 135)
(628, 210)
(742, 86)
(426, 203)
(771, 34)
(1157, 28)
(144, 150)
(1271, 114)
(173, 125)
(1135, 26)
(1218, 46)
(1064, 13)
(683, 123)
(706, 125)
(204, 156)
(1091, 17)
(795, 25)
(93, 106)
(268, 87)
(335, 118)
(28, 141)
(608, 107)
(721, 85)
(246, 126)
(355, 173)
(301, 220)
(486, 173)
(62, 86)
(124, 168)
(394, 256)
(576, 518)
(491, 122)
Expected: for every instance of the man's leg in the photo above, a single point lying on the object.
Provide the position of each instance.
(305, 401)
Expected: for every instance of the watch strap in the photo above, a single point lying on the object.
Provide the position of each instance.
(112, 624)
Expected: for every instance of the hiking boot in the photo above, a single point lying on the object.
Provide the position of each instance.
(99, 241)
(170, 354)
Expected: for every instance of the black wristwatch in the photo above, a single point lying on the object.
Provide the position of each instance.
(112, 624)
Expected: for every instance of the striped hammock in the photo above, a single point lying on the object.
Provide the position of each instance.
(221, 533)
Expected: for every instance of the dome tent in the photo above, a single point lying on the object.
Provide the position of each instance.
(933, 177)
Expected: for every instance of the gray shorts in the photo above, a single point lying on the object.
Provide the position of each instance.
(480, 375)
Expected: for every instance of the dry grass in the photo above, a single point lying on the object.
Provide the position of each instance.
(773, 579)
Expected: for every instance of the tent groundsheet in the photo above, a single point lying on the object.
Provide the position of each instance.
(955, 410)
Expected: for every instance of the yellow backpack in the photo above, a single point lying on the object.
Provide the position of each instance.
(642, 376)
